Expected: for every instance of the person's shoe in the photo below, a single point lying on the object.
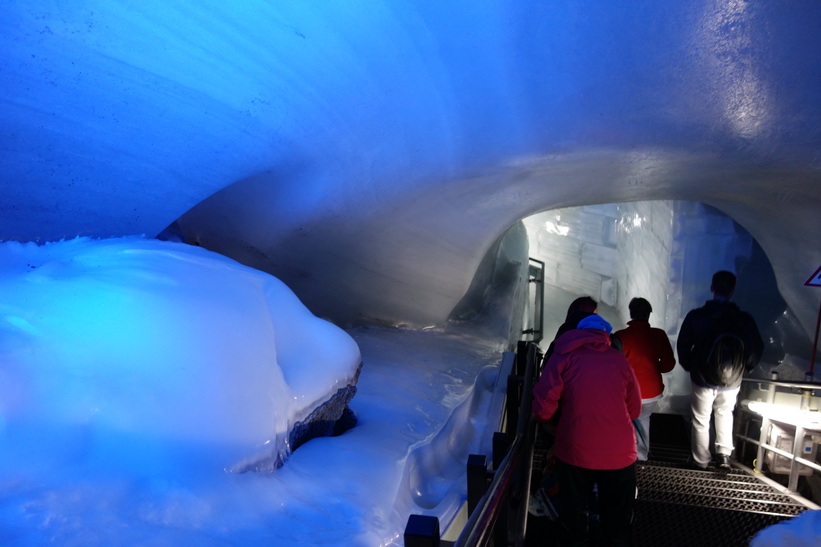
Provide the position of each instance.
(722, 461)
(535, 507)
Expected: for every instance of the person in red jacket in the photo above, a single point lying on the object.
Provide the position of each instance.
(649, 352)
(593, 390)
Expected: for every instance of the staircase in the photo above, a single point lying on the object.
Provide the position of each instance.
(678, 506)
(687, 507)
(681, 506)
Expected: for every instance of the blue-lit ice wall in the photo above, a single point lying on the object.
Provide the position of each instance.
(705, 241)
(578, 248)
(497, 301)
(645, 242)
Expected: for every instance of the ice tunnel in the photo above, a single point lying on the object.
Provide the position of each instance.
(373, 155)
(369, 156)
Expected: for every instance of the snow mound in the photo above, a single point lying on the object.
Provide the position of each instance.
(139, 355)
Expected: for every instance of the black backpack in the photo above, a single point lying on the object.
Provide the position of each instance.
(723, 355)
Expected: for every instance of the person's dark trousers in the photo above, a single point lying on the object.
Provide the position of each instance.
(617, 498)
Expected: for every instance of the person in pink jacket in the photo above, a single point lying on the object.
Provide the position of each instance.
(592, 390)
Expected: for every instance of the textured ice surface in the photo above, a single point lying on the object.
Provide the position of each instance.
(124, 343)
(133, 372)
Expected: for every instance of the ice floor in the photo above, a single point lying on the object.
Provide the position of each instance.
(356, 489)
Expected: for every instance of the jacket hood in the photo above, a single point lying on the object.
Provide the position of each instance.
(595, 322)
(597, 340)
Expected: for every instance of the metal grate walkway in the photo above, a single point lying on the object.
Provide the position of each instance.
(678, 506)
(688, 507)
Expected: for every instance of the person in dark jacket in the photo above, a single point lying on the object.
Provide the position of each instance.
(576, 311)
(594, 390)
(707, 399)
(650, 354)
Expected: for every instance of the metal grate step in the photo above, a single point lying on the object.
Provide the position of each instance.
(684, 479)
(734, 490)
(677, 506)
(675, 525)
(764, 506)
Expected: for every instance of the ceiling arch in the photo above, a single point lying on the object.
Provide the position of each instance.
(370, 156)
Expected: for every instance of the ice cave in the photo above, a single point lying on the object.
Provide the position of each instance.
(262, 263)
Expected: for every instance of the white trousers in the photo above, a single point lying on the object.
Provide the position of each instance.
(705, 401)
(648, 406)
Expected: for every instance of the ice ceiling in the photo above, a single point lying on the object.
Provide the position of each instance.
(368, 154)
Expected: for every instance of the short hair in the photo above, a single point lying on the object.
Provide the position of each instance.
(640, 309)
(582, 304)
(723, 283)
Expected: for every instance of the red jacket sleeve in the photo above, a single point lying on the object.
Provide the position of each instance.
(548, 390)
(667, 360)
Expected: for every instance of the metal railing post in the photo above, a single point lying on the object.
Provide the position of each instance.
(765, 426)
(512, 403)
(477, 479)
(521, 356)
(797, 448)
(501, 444)
(501, 514)
(422, 531)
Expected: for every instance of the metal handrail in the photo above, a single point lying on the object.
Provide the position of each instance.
(762, 443)
(780, 452)
(779, 383)
(480, 525)
(538, 301)
(527, 432)
(764, 446)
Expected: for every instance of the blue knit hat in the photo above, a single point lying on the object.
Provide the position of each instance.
(595, 322)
